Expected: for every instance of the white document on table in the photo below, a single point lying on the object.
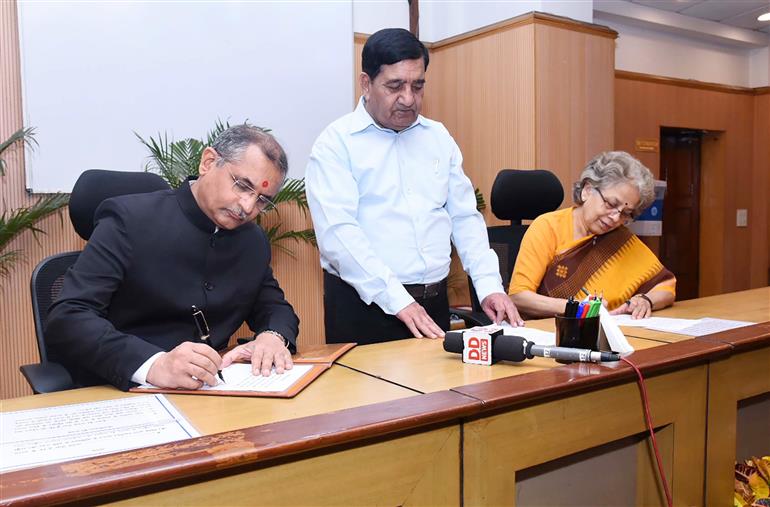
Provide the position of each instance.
(238, 377)
(51, 435)
(709, 326)
(534, 335)
(666, 324)
(690, 327)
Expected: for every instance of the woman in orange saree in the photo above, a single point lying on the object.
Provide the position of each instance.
(588, 248)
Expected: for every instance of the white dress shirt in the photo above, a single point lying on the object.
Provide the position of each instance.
(385, 205)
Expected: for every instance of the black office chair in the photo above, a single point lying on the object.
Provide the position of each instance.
(516, 195)
(96, 185)
(45, 286)
(92, 187)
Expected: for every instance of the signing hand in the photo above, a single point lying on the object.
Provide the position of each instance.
(499, 307)
(264, 351)
(637, 306)
(188, 366)
(419, 322)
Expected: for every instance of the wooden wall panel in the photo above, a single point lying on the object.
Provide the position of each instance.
(760, 274)
(482, 90)
(731, 260)
(712, 220)
(574, 86)
(300, 277)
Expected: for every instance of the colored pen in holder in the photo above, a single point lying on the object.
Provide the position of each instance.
(579, 326)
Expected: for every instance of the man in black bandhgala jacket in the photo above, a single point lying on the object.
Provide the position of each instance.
(125, 313)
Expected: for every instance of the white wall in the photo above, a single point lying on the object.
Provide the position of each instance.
(371, 16)
(95, 72)
(664, 54)
(759, 67)
(440, 20)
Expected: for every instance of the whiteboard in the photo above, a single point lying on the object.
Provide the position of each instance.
(93, 73)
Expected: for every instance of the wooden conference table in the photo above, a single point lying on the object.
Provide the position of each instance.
(744, 374)
(405, 423)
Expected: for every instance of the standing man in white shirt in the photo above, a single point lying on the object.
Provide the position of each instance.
(387, 194)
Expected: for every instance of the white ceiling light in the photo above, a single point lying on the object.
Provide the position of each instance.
(764, 17)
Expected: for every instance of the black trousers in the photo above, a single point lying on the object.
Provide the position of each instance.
(348, 319)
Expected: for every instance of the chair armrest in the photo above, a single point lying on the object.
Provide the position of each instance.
(471, 318)
(47, 377)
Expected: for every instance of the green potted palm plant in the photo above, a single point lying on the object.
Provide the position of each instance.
(13, 222)
(174, 161)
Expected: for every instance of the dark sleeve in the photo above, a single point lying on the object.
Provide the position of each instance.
(77, 329)
(271, 310)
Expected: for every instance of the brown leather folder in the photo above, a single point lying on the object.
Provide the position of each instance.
(321, 357)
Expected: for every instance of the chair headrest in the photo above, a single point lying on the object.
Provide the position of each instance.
(95, 185)
(525, 194)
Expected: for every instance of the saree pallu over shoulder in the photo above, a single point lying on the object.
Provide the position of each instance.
(616, 264)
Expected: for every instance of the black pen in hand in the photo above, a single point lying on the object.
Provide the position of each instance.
(203, 330)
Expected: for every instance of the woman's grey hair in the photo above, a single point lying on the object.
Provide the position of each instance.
(613, 167)
(231, 144)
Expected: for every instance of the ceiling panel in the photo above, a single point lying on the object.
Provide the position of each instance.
(719, 10)
(740, 13)
(749, 19)
(668, 5)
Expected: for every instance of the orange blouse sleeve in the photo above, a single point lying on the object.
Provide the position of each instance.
(538, 248)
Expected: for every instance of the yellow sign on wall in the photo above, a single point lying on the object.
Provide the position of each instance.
(648, 145)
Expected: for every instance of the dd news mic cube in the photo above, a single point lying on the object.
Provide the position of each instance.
(478, 342)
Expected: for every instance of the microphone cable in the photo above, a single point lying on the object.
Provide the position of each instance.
(648, 418)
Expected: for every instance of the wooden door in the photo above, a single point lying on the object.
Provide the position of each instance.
(680, 153)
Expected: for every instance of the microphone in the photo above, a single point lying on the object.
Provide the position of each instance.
(502, 348)
(567, 353)
(517, 349)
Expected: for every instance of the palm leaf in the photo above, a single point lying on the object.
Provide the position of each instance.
(19, 220)
(7, 260)
(23, 135)
(270, 232)
(174, 161)
(219, 127)
(307, 235)
(293, 191)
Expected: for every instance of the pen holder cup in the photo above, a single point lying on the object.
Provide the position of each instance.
(577, 333)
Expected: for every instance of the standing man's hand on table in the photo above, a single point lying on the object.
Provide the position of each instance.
(419, 322)
(499, 307)
(187, 366)
(266, 350)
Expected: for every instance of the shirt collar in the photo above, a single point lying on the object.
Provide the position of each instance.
(190, 207)
(362, 120)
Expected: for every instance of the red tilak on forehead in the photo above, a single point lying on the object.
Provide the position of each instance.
(265, 184)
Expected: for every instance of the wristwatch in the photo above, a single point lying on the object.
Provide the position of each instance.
(645, 297)
(276, 333)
